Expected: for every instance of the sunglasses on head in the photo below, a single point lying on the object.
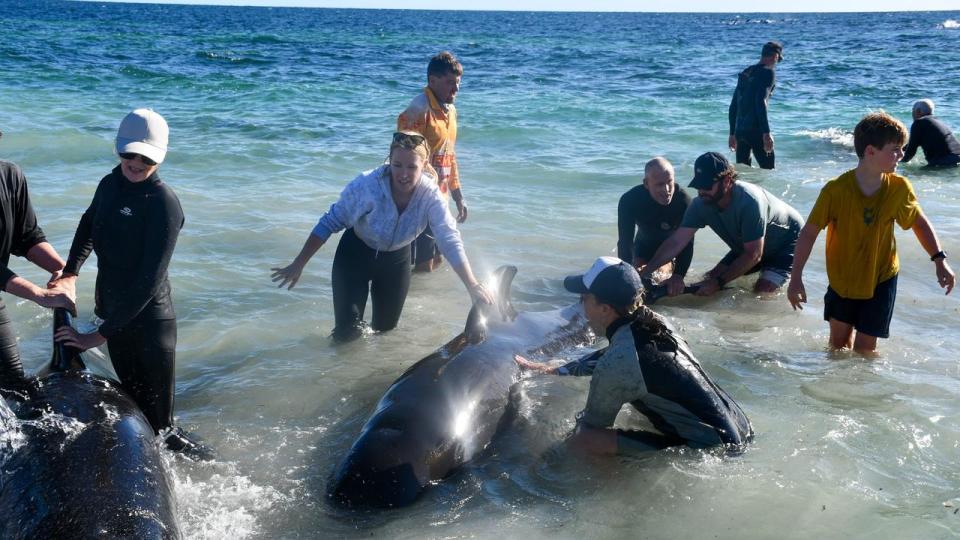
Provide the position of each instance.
(408, 140)
(131, 156)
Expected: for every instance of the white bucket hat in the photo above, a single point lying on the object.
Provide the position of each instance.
(143, 132)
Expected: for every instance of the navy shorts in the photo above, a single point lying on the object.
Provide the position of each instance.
(871, 316)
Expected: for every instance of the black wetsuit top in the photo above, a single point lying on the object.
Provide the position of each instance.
(18, 224)
(133, 229)
(935, 138)
(748, 107)
(653, 223)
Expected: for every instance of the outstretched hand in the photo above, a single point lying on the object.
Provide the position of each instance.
(797, 293)
(526, 364)
(945, 277)
(480, 294)
(288, 274)
(68, 335)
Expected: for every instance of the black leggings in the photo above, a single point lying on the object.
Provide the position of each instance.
(144, 356)
(358, 271)
(11, 370)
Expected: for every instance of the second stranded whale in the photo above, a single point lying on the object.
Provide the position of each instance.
(445, 409)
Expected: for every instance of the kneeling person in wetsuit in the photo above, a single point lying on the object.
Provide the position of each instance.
(646, 365)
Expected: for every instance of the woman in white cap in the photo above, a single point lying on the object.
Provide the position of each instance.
(383, 211)
(132, 225)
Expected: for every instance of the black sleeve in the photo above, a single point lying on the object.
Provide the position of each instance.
(83, 238)
(732, 112)
(684, 258)
(626, 228)
(762, 95)
(913, 144)
(27, 233)
(165, 221)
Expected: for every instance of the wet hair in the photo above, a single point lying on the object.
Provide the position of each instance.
(878, 129)
(730, 172)
(422, 149)
(632, 308)
(923, 106)
(443, 63)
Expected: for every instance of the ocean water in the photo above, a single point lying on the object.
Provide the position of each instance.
(273, 111)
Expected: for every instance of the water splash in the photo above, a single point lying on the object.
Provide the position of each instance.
(834, 135)
(949, 24)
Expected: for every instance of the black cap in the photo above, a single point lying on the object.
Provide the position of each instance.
(706, 170)
(611, 280)
(771, 48)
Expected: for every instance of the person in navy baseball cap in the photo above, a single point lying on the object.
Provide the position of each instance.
(611, 280)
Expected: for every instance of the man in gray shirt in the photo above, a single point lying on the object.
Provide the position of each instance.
(760, 229)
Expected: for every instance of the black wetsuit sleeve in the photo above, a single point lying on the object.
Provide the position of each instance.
(732, 112)
(762, 95)
(583, 366)
(626, 228)
(26, 232)
(913, 144)
(83, 239)
(159, 240)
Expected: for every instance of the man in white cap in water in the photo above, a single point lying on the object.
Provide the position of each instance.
(646, 365)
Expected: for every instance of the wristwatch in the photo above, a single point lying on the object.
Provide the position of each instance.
(939, 255)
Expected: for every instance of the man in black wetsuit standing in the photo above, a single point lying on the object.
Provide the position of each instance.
(749, 128)
(21, 235)
(647, 215)
(939, 145)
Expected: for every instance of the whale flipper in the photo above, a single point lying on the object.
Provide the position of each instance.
(501, 308)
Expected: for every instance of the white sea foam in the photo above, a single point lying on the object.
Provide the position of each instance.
(950, 23)
(834, 135)
(214, 500)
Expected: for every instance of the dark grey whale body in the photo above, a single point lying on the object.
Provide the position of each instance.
(88, 465)
(446, 408)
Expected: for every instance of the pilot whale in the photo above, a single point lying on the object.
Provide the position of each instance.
(445, 409)
(88, 465)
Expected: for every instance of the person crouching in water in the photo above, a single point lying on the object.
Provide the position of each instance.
(383, 211)
(646, 365)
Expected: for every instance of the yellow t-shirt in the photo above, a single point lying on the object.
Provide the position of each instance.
(438, 124)
(861, 248)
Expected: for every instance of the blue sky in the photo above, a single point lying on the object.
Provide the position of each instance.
(608, 5)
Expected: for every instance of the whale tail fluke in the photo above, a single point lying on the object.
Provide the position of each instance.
(64, 357)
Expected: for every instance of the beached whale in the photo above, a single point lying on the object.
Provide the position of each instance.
(87, 464)
(445, 409)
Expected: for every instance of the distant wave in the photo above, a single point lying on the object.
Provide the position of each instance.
(834, 135)
(740, 20)
(950, 23)
(227, 57)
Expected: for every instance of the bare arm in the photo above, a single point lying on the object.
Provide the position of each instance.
(44, 256)
(931, 244)
(670, 248)
(291, 273)
(752, 252)
(796, 293)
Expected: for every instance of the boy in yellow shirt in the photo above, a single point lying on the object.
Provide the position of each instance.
(858, 209)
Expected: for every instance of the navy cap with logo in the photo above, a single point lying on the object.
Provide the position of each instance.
(611, 280)
(707, 168)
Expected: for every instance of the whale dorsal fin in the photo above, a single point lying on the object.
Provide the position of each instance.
(64, 357)
(502, 307)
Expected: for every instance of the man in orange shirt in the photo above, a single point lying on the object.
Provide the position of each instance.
(433, 114)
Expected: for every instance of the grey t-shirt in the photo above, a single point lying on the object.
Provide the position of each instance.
(753, 213)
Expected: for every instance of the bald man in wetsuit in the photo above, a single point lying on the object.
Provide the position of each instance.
(939, 145)
(647, 215)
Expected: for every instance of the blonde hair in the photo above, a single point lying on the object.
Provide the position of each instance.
(422, 149)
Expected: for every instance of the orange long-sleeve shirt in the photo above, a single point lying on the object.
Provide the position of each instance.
(438, 123)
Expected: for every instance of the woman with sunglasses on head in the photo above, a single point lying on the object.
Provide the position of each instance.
(132, 225)
(383, 211)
